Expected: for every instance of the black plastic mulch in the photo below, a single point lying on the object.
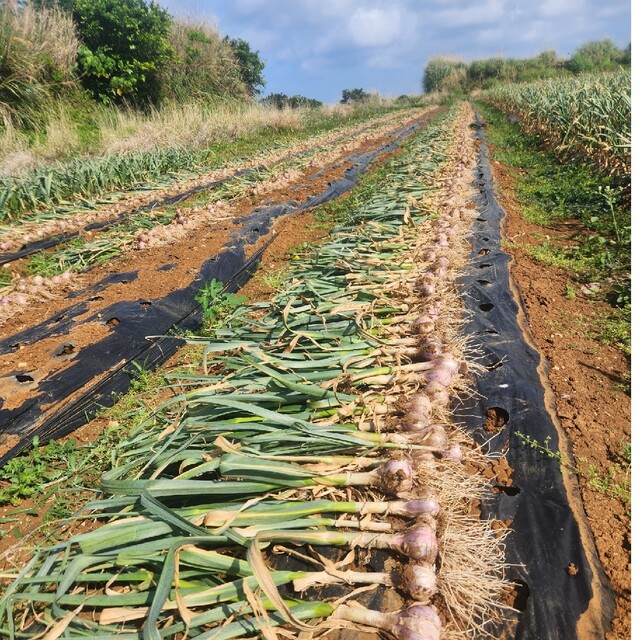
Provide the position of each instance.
(556, 581)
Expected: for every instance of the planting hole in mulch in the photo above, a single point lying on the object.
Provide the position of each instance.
(495, 418)
(518, 595)
(508, 490)
(65, 350)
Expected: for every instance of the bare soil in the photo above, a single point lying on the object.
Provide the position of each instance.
(585, 377)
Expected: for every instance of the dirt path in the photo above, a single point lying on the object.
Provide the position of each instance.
(586, 379)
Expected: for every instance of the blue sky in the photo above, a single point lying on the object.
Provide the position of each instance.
(316, 48)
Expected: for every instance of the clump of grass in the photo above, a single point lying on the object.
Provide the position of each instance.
(202, 65)
(38, 50)
(615, 329)
(615, 482)
(274, 278)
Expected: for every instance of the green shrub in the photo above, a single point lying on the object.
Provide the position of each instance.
(444, 73)
(599, 55)
(124, 45)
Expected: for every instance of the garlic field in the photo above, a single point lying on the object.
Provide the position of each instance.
(322, 470)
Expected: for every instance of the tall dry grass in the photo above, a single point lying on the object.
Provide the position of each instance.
(203, 65)
(37, 51)
(59, 138)
(193, 124)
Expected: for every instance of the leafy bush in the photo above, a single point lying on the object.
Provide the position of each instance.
(124, 45)
(598, 55)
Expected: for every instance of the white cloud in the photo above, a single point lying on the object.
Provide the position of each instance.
(554, 9)
(375, 27)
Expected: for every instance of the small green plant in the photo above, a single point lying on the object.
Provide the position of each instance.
(142, 378)
(615, 329)
(275, 279)
(31, 475)
(43, 264)
(615, 483)
(5, 278)
(544, 448)
(216, 304)
(570, 293)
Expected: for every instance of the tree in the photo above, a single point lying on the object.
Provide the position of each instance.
(598, 55)
(276, 100)
(354, 95)
(251, 66)
(124, 44)
(302, 101)
(283, 101)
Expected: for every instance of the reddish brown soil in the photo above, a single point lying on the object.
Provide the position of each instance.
(585, 377)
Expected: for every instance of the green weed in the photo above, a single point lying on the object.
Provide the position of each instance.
(30, 475)
(5, 278)
(577, 265)
(274, 278)
(543, 448)
(615, 483)
(216, 304)
(615, 329)
(44, 264)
